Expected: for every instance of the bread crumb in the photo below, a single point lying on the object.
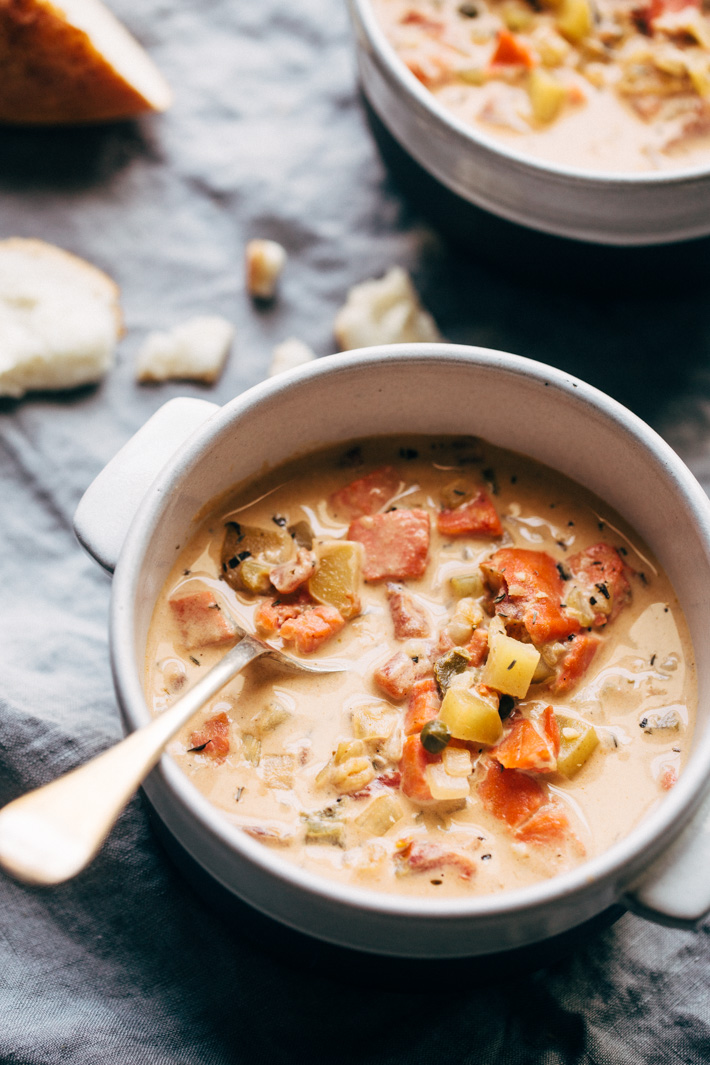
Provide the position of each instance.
(196, 350)
(60, 319)
(288, 354)
(265, 260)
(386, 310)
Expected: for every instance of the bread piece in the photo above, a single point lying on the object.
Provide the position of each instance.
(265, 260)
(196, 351)
(72, 62)
(384, 311)
(288, 354)
(59, 318)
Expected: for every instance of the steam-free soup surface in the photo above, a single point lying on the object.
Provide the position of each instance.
(519, 689)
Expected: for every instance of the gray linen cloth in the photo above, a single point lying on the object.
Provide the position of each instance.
(268, 137)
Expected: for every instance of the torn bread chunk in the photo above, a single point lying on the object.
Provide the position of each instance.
(265, 260)
(73, 62)
(289, 354)
(60, 319)
(384, 311)
(196, 350)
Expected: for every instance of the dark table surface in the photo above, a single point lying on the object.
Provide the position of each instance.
(268, 137)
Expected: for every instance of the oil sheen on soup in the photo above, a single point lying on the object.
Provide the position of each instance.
(605, 85)
(519, 682)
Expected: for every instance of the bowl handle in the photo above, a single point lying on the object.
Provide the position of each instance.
(109, 504)
(675, 890)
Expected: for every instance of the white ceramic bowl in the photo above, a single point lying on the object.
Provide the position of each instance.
(606, 208)
(513, 402)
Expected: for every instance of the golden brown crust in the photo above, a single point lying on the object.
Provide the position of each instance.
(52, 73)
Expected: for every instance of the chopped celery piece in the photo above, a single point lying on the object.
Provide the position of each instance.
(446, 667)
(467, 584)
(318, 831)
(444, 786)
(578, 741)
(270, 716)
(470, 716)
(380, 815)
(510, 666)
(336, 581)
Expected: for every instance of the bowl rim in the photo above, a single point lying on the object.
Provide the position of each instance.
(612, 866)
(363, 11)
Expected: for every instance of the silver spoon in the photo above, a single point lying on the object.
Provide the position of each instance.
(53, 832)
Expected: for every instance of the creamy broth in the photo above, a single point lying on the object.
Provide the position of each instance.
(272, 765)
(603, 85)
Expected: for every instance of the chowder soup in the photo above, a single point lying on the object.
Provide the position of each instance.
(605, 85)
(519, 690)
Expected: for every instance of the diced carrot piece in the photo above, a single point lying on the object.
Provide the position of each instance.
(550, 824)
(478, 517)
(408, 616)
(396, 544)
(528, 588)
(310, 630)
(412, 766)
(602, 569)
(530, 745)
(576, 661)
(424, 705)
(213, 737)
(201, 620)
(477, 647)
(421, 857)
(400, 673)
(367, 494)
(510, 795)
(510, 51)
(271, 614)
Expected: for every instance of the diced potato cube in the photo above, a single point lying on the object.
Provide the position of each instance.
(469, 716)
(578, 741)
(277, 770)
(352, 775)
(552, 49)
(325, 831)
(457, 761)
(510, 666)
(336, 581)
(270, 717)
(253, 576)
(472, 75)
(444, 786)
(518, 17)
(575, 20)
(373, 722)
(467, 584)
(546, 94)
(348, 749)
(380, 815)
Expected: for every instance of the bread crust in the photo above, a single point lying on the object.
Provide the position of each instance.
(52, 73)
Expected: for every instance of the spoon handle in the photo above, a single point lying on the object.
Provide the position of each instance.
(53, 832)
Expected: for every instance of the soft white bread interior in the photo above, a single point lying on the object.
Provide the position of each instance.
(384, 310)
(72, 62)
(59, 318)
(195, 350)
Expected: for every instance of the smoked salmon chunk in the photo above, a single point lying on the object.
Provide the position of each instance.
(475, 518)
(367, 494)
(510, 795)
(424, 705)
(549, 824)
(575, 662)
(421, 857)
(530, 745)
(601, 571)
(400, 673)
(412, 766)
(528, 588)
(201, 620)
(408, 617)
(271, 614)
(310, 630)
(213, 738)
(396, 544)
